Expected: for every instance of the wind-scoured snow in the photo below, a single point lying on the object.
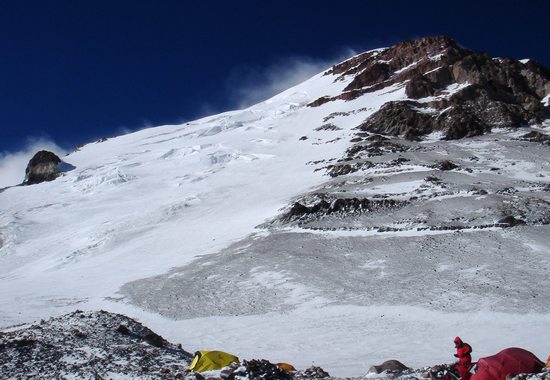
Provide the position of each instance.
(174, 226)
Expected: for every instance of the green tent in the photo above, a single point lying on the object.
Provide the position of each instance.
(211, 360)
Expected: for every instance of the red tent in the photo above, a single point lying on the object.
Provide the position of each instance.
(509, 361)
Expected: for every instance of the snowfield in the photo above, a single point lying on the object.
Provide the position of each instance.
(179, 227)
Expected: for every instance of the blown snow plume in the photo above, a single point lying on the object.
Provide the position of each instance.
(399, 196)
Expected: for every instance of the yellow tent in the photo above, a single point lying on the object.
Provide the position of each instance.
(211, 360)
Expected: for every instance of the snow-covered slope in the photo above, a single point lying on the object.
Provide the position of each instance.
(191, 228)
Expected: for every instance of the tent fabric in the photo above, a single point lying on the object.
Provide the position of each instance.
(286, 367)
(211, 360)
(509, 361)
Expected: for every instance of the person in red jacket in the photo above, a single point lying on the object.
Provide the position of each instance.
(463, 353)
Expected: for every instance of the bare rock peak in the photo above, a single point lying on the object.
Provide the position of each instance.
(449, 88)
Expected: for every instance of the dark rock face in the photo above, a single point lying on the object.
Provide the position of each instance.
(488, 92)
(373, 146)
(535, 136)
(398, 118)
(511, 221)
(154, 339)
(409, 120)
(459, 122)
(419, 87)
(319, 102)
(345, 168)
(446, 165)
(42, 167)
(339, 206)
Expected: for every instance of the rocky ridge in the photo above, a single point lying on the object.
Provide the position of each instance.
(89, 345)
(450, 89)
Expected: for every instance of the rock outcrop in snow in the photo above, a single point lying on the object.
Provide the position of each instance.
(451, 89)
(42, 167)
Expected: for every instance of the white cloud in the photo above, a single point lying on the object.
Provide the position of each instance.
(13, 164)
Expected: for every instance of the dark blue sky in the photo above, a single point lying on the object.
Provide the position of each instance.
(73, 71)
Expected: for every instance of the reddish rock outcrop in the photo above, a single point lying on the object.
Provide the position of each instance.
(472, 92)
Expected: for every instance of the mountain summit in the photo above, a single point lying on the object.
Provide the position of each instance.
(399, 196)
(448, 88)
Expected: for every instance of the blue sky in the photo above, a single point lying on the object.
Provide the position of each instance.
(74, 71)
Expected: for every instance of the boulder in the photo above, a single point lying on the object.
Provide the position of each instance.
(446, 165)
(154, 339)
(511, 221)
(42, 167)
(388, 365)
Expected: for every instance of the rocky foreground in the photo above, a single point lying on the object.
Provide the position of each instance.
(103, 345)
(89, 345)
